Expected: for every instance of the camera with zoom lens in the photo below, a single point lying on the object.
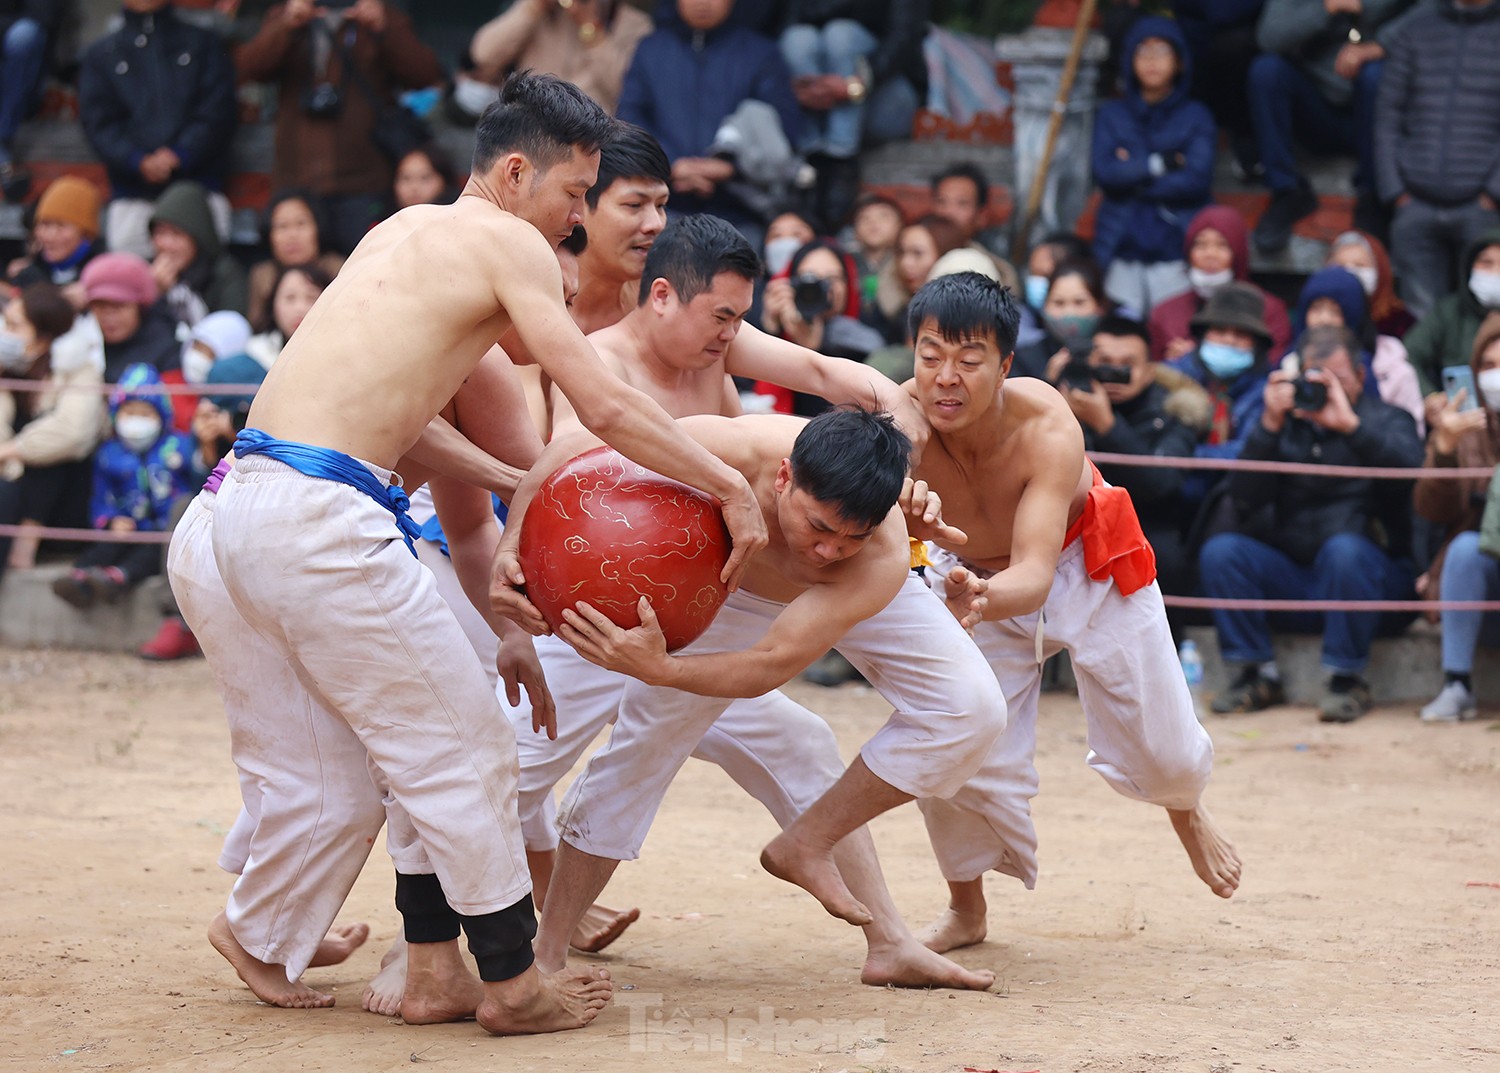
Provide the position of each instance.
(812, 295)
(1309, 396)
(322, 100)
(1081, 375)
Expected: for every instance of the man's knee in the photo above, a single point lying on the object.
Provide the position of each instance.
(24, 37)
(1224, 555)
(1269, 75)
(1349, 557)
(801, 46)
(845, 38)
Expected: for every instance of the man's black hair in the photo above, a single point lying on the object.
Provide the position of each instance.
(1069, 246)
(1114, 324)
(630, 152)
(691, 251)
(576, 242)
(966, 305)
(1323, 342)
(541, 116)
(965, 170)
(855, 459)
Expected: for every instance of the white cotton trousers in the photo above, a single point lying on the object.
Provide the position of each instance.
(949, 711)
(1144, 737)
(317, 574)
(780, 753)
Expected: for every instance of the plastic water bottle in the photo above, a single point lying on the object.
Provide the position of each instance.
(1192, 671)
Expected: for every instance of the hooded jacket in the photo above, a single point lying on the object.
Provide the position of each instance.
(1384, 357)
(1172, 319)
(1445, 336)
(213, 277)
(1436, 124)
(141, 486)
(1148, 196)
(157, 81)
(1236, 413)
(683, 83)
(1458, 505)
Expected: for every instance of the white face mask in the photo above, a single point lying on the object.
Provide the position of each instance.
(1489, 387)
(1485, 287)
(195, 364)
(474, 96)
(779, 253)
(1205, 283)
(138, 431)
(1367, 277)
(13, 356)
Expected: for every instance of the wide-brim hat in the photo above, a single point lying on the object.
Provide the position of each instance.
(1234, 305)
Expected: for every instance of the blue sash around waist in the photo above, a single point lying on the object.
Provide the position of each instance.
(330, 465)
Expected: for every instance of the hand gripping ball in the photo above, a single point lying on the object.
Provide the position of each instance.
(605, 531)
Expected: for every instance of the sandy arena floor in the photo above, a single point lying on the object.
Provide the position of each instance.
(1355, 943)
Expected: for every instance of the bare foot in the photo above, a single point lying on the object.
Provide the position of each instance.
(439, 988)
(1213, 855)
(954, 929)
(383, 993)
(601, 926)
(268, 982)
(910, 964)
(815, 873)
(341, 941)
(544, 1002)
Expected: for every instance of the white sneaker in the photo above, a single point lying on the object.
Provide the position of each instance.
(1453, 705)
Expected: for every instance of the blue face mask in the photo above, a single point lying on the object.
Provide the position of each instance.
(1036, 288)
(1225, 362)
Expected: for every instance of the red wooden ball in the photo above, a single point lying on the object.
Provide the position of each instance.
(605, 531)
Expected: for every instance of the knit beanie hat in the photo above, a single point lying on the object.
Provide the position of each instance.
(71, 200)
(119, 277)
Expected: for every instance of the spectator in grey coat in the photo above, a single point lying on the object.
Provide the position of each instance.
(1437, 123)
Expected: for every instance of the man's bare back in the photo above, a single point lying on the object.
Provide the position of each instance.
(409, 316)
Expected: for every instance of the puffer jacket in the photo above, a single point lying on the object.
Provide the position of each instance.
(141, 486)
(214, 277)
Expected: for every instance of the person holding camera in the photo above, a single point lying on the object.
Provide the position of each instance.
(1296, 537)
(813, 307)
(1112, 389)
(335, 65)
(157, 103)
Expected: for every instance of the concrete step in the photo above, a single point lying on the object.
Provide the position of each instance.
(31, 615)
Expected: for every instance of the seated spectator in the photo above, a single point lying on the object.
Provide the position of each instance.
(960, 194)
(1041, 262)
(1334, 298)
(64, 236)
(292, 295)
(587, 42)
(47, 435)
(26, 28)
(877, 226)
(1230, 361)
(1153, 158)
(218, 335)
(1134, 416)
(918, 248)
(136, 327)
(1221, 38)
(787, 233)
(194, 273)
(294, 235)
(1465, 433)
(814, 306)
(324, 123)
(1446, 334)
(855, 66)
(1365, 256)
(424, 176)
(157, 101)
(1218, 252)
(1436, 127)
(1297, 537)
(1314, 84)
(689, 76)
(139, 472)
(1074, 304)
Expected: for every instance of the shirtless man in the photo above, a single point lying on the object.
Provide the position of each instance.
(837, 572)
(308, 555)
(1068, 568)
(679, 346)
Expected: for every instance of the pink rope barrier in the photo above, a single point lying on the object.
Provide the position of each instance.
(1309, 469)
(1216, 604)
(106, 389)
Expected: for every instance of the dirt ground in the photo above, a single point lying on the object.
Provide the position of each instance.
(1355, 943)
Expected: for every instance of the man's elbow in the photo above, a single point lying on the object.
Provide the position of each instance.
(604, 416)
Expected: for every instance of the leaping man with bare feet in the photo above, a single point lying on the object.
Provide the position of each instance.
(1067, 568)
(312, 543)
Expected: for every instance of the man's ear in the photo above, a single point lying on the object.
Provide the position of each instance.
(783, 476)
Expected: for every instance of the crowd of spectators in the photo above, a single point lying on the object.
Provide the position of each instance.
(1151, 328)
